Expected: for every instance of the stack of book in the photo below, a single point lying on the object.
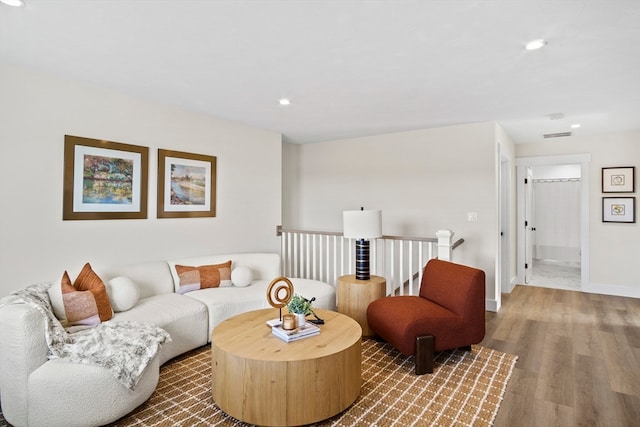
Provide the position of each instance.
(307, 331)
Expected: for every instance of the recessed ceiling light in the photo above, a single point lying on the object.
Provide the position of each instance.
(285, 101)
(14, 3)
(575, 125)
(535, 44)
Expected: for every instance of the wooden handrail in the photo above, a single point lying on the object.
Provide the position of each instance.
(280, 230)
(457, 243)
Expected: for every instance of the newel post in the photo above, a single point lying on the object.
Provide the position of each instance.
(445, 239)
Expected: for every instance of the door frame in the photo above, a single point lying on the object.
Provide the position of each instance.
(529, 220)
(505, 220)
(522, 163)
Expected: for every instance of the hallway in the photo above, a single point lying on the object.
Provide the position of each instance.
(556, 274)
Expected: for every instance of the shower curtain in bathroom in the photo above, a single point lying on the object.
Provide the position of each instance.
(557, 220)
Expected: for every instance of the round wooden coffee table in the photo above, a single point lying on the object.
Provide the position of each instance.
(262, 380)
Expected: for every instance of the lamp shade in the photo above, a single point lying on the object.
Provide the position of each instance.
(362, 224)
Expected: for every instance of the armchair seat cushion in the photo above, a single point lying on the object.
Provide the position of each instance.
(414, 316)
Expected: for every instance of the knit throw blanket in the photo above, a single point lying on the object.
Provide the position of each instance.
(125, 348)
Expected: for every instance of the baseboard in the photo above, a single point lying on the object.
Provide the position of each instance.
(512, 284)
(617, 290)
(491, 305)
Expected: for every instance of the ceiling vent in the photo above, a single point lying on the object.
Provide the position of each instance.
(556, 116)
(556, 135)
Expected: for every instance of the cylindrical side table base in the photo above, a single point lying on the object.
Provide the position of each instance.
(354, 297)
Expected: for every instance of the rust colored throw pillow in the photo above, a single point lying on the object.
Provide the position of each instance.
(204, 276)
(86, 301)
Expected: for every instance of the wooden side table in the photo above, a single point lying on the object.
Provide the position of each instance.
(354, 296)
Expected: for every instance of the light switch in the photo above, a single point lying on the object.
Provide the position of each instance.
(472, 216)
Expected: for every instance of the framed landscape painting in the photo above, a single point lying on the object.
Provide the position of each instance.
(104, 179)
(186, 185)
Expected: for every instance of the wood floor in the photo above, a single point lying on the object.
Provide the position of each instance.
(578, 358)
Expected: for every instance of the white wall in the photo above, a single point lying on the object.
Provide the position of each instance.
(290, 183)
(422, 181)
(37, 110)
(614, 248)
(556, 171)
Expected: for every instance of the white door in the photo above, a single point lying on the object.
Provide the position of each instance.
(528, 226)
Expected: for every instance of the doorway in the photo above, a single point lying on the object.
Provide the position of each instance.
(555, 226)
(544, 257)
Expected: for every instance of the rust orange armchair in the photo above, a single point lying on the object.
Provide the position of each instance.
(448, 313)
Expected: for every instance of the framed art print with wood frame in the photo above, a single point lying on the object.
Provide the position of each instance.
(104, 179)
(619, 209)
(186, 185)
(618, 180)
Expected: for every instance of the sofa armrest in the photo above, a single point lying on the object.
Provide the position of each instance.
(23, 348)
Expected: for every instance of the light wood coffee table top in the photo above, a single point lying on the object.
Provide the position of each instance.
(262, 380)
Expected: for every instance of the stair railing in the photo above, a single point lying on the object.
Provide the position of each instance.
(325, 255)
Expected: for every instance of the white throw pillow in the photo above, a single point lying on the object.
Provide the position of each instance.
(241, 276)
(57, 305)
(123, 293)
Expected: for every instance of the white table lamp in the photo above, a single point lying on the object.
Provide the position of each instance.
(362, 225)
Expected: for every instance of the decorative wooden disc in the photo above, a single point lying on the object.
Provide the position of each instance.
(274, 293)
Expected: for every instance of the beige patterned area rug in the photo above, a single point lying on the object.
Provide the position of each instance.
(465, 389)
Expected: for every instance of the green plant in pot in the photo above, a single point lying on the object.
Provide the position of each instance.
(299, 306)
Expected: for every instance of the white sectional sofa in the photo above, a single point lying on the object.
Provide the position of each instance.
(35, 391)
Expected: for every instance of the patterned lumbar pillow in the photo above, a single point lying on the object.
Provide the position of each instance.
(86, 301)
(204, 276)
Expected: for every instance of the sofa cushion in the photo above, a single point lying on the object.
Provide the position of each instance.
(205, 276)
(151, 278)
(185, 319)
(264, 266)
(86, 301)
(123, 293)
(57, 305)
(241, 276)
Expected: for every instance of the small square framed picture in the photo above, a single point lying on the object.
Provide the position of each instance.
(618, 180)
(619, 209)
(186, 185)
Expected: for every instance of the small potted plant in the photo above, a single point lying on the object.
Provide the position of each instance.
(299, 306)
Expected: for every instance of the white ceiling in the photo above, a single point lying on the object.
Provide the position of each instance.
(351, 68)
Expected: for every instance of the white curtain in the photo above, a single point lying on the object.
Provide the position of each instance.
(557, 220)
